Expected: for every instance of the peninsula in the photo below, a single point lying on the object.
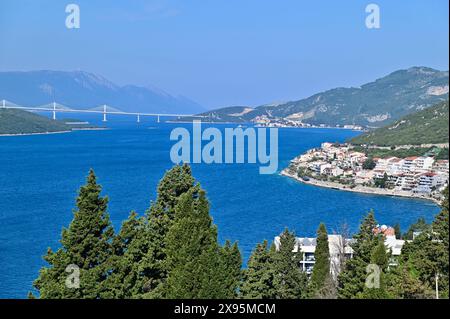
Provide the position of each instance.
(408, 158)
(19, 122)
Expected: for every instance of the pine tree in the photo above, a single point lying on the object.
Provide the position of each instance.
(440, 235)
(419, 226)
(351, 281)
(321, 271)
(380, 258)
(258, 278)
(193, 261)
(230, 272)
(428, 254)
(289, 281)
(86, 245)
(149, 244)
(123, 278)
(398, 232)
(405, 284)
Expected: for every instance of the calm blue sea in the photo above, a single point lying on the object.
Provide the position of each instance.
(40, 175)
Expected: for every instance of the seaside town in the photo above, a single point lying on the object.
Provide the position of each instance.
(340, 166)
(264, 121)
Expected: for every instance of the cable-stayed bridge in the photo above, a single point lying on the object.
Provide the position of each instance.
(102, 109)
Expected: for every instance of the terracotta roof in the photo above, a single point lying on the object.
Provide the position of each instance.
(385, 231)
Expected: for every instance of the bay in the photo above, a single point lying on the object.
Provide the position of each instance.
(40, 176)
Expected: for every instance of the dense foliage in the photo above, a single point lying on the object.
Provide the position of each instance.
(437, 152)
(22, 122)
(429, 126)
(173, 252)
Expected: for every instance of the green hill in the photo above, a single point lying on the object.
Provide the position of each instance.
(429, 126)
(374, 104)
(22, 122)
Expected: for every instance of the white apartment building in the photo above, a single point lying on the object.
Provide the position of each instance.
(395, 166)
(423, 163)
(429, 180)
(382, 163)
(406, 181)
(340, 249)
(364, 177)
(440, 166)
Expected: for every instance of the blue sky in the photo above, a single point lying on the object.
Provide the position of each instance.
(226, 52)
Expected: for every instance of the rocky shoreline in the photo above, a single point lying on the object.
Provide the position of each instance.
(357, 189)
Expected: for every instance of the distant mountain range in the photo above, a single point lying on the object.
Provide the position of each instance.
(373, 104)
(429, 126)
(86, 90)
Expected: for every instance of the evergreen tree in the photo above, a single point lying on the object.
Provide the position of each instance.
(123, 278)
(258, 278)
(419, 226)
(319, 281)
(289, 281)
(230, 272)
(86, 245)
(193, 261)
(428, 254)
(440, 235)
(381, 259)
(352, 279)
(398, 232)
(405, 284)
(149, 244)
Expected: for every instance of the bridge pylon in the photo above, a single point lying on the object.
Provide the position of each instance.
(139, 118)
(54, 111)
(104, 113)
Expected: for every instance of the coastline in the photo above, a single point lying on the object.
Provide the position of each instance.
(56, 132)
(40, 133)
(358, 189)
(264, 126)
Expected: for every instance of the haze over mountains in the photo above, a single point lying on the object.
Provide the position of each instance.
(85, 90)
(373, 104)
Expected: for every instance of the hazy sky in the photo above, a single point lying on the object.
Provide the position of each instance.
(226, 52)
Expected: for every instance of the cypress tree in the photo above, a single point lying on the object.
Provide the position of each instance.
(321, 272)
(258, 278)
(381, 259)
(150, 243)
(123, 278)
(193, 261)
(85, 244)
(289, 281)
(351, 281)
(398, 232)
(230, 272)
